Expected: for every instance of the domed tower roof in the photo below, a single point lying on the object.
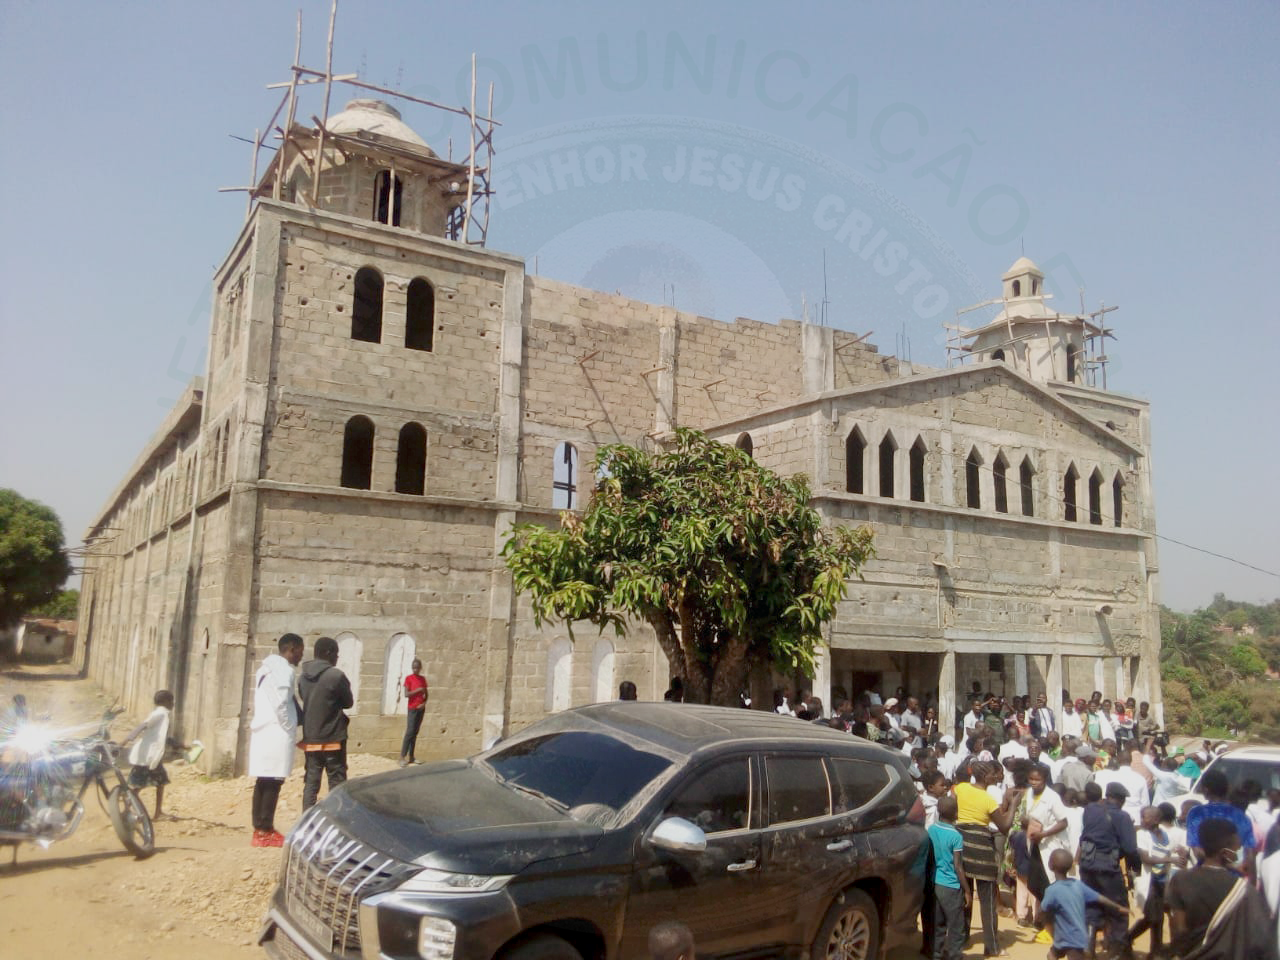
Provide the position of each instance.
(1021, 267)
(377, 117)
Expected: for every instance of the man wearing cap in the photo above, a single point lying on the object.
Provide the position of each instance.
(892, 713)
(1107, 836)
(1075, 773)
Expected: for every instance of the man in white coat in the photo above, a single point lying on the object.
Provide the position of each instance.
(273, 734)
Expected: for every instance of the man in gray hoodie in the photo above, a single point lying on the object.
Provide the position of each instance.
(326, 693)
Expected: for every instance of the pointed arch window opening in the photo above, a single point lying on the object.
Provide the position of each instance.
(1000, 473)
(745, 444)
(357, 454)
(1117, 500)
(564, 479)
(1026, 474)
(916, 460)
(1017, 288)
(366, 306)
(1071, 363)
(855, 452)
(973, 479)
(411, 460)
(1095, 498)
(888, 455)
(388, 191)
(1069, 494)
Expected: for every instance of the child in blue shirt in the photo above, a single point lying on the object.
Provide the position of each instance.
(1063, 904)
(950, 885)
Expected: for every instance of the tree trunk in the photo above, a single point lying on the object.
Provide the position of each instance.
(730, 676)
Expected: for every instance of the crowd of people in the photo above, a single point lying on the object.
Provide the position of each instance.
(1078, 812)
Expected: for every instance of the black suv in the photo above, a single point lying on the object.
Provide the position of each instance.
(766, 835)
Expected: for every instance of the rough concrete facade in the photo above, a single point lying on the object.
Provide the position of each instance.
(241, 519)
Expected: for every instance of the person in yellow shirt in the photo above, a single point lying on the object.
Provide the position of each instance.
(978, 812)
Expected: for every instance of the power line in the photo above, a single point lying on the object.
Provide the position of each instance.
(1159, 536)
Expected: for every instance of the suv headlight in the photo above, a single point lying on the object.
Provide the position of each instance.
(442, 881)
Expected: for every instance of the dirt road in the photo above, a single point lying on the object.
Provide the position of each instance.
(202, 895)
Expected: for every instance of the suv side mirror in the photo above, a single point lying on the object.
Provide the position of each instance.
(678, 835)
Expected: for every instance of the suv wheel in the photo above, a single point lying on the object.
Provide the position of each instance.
(542, 946)
(850, 930)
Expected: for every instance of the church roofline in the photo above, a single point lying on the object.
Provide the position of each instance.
(806, 405)
(178, 420)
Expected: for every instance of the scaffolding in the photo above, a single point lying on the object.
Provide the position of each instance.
(468, 221)
(1092, 363)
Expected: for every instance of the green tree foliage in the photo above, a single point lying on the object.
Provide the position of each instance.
(1213, 665)
(1246, 661)
(64, 606)
(726, 560)
(33, 563)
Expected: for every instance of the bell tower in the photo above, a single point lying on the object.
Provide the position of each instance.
(372, 166)
(1037, 340)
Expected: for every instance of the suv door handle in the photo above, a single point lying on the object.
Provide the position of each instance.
(840, 846)
(741, 865)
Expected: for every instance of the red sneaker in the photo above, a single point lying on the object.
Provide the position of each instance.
(273, 838)
(261, 838)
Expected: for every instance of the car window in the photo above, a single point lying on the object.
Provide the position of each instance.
(575, 769)
(716, 799)
(798, 788)
(1239, 769)
(857, 782)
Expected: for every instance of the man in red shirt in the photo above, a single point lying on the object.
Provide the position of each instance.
(415, 688)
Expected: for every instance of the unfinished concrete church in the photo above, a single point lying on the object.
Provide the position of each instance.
(382, 403)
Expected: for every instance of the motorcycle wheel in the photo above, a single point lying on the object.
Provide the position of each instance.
(131, 821)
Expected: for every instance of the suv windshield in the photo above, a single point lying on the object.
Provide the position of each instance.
(1240, 769)
(591, 775)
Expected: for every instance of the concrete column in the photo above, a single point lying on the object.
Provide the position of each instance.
(947, 692)
(1053, 695)
(822, 677)
(1099, 672)
(1122, 678)
(1020, 682)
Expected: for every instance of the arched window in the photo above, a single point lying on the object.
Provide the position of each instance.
(366, 306)
(564, 477)
(559, 675)
(411, 459)
(916, 458)
(1069, 494)
(1071, 363)
(855, 453)
(1095, 497)
(997, 354)
(419, 315)
(1035, 287)
(357, 454)
(744, 444)
(1025, 474)
(1000, 471)
(400, 653)
(1117, 499)
(387, 191)
(973, 479)
(602, 685)
(888, 456)
(350, 654)
(1017, 288)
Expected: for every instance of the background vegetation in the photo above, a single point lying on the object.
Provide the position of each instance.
(1220, 668)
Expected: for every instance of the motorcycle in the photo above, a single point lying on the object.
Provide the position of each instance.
(44, 779)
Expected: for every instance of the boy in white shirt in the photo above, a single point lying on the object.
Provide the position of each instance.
(147, 753)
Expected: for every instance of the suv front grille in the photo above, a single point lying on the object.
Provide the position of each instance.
(327, 874)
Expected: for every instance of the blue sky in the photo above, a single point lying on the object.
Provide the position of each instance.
(1133, 149)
